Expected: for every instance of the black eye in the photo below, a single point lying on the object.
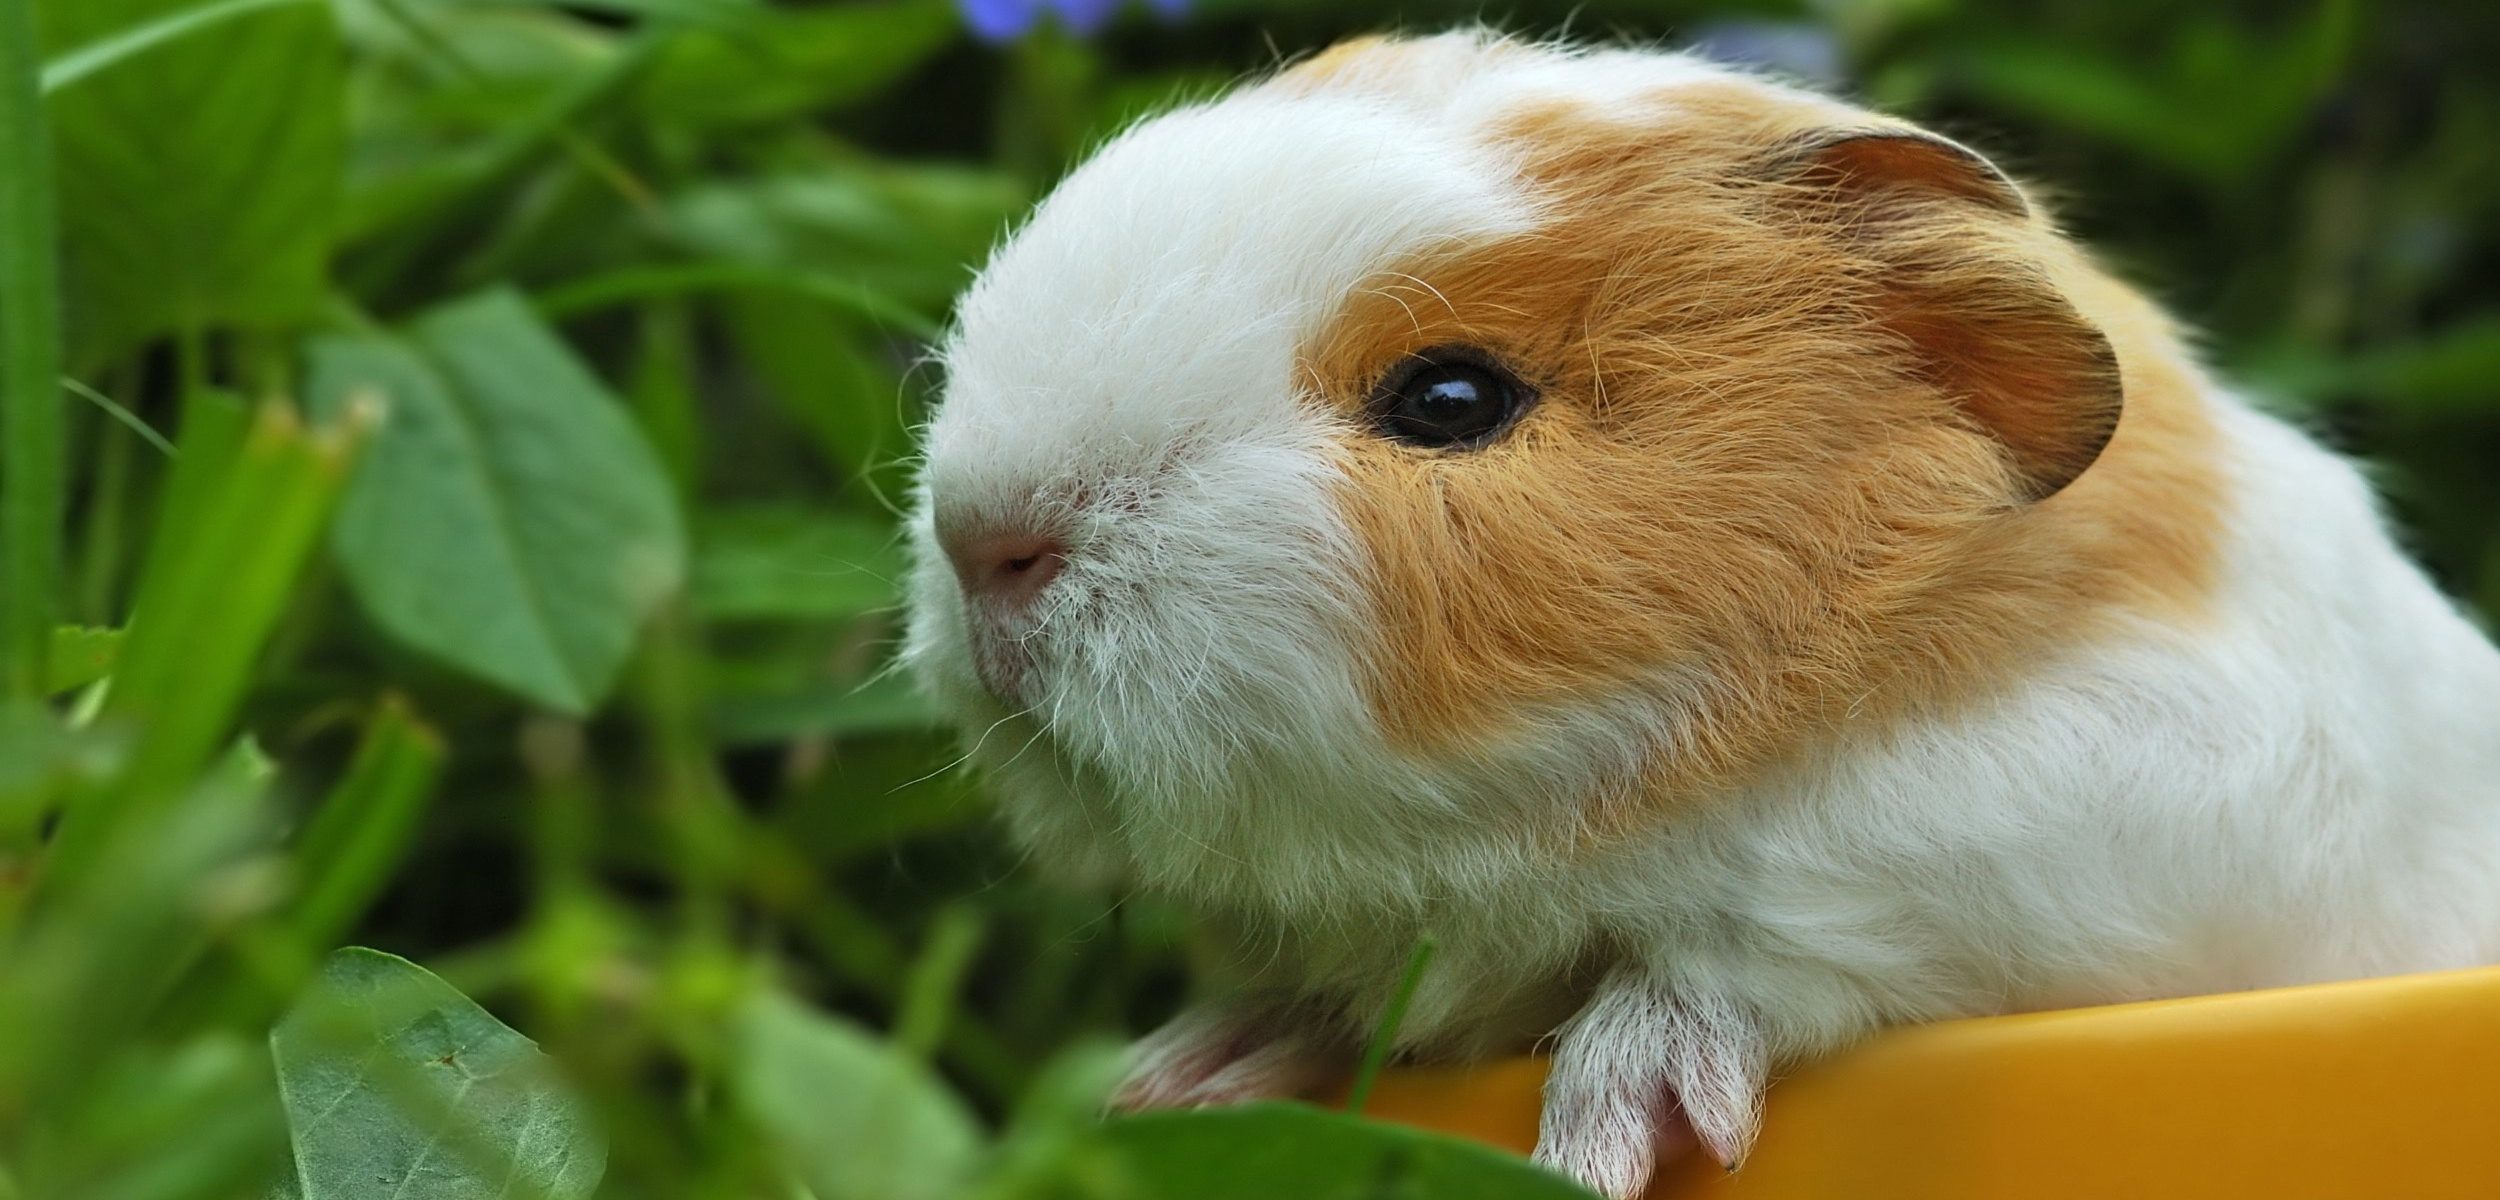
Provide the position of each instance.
(1452, 396)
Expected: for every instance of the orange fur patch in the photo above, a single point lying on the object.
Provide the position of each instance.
(1745, 463)
(1380, 64)
(1339, 64)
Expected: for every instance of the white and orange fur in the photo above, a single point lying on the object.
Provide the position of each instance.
(1776, 679)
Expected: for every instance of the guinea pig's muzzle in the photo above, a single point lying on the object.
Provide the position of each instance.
(1004, 565)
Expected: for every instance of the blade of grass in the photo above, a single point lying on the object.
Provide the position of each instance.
(202, 616)
(342, 859)
(95, 56)
(346, 854)
(1384, 1038)
(114, 410)
(31, 437)
(213, 427)
(235, 537)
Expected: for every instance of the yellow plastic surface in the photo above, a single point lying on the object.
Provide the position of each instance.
(2381, 1088)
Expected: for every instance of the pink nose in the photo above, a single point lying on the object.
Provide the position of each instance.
(1006, 569)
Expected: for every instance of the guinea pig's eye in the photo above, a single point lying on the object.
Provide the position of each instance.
(1448, 396)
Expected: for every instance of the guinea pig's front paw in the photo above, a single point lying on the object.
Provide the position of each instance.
(1229, 1052)
(1640, 1076)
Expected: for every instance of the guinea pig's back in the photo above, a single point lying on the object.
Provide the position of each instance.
(2392, 737)
(2296, 779)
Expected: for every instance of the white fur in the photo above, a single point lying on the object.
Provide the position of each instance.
(2302, 784)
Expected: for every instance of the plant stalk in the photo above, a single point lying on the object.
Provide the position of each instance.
(31, 438)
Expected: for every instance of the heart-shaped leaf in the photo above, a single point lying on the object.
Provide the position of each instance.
(395, 1084)
(199, 175)
(856, 1118)
(1263, 1151)
(509, 518)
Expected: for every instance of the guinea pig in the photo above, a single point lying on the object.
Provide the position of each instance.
(1715, 560)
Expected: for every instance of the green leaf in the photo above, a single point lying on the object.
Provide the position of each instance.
(1263, 1151)
(69, 68)
(199, 180)
(856, 810)
(900, 233)
(785, 561)
(847, 390)
(831, 708)
(855, 1117)
(830, 252)
(789, 62)
(454, 107)
(395, 1084)
(509, 520)
(632, 285)
(2108, 98)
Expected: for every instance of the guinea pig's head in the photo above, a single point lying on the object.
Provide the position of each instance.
(1461, 442)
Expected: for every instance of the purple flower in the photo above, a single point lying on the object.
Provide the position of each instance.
(1804, 52)
(1007, 20)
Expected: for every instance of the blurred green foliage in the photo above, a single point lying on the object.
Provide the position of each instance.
(451, 450)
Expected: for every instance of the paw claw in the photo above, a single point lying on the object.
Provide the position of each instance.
(1642, 1076)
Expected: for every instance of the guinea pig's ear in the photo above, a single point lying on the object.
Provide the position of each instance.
(1869, 160)
(1961, 280)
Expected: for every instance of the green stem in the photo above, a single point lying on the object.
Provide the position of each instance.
(1384, 1038)
(703, 824)
(929, 992)
(99, 561)
(31, 438)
